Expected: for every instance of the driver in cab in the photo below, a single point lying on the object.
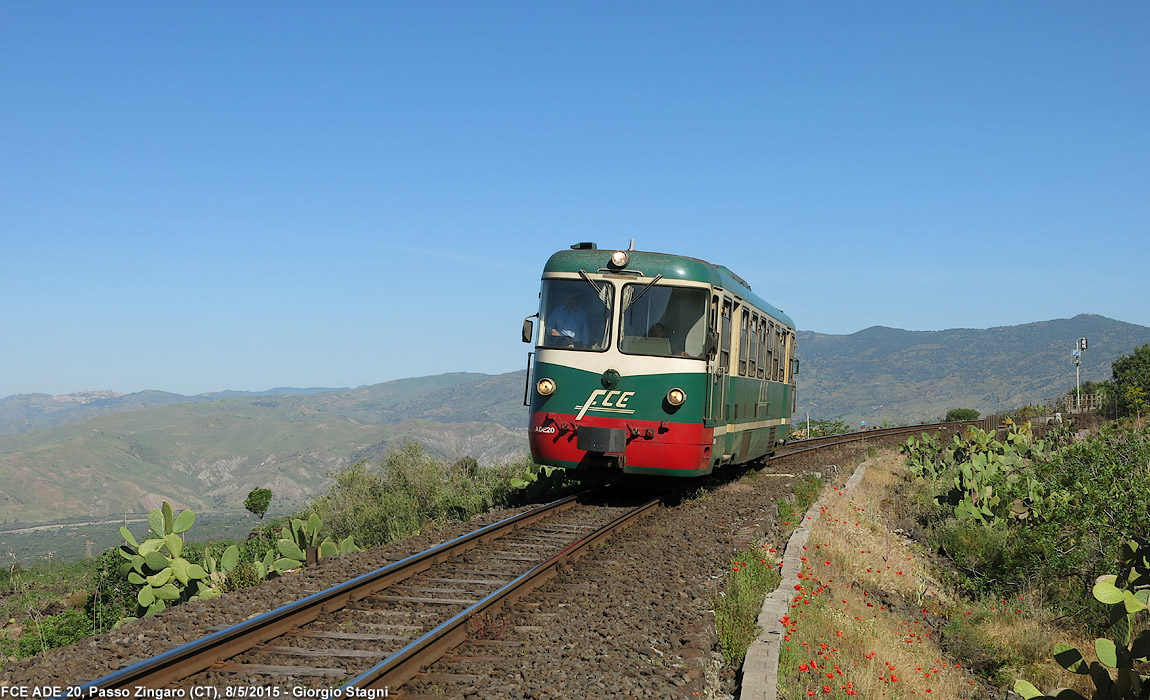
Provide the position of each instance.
(567, 324)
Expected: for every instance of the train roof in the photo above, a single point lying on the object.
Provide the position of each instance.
(672, 267)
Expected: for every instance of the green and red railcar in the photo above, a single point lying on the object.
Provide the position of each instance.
(649, 363)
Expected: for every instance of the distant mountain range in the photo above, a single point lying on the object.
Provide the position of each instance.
(101, 453)
(98, 453)
(390, 402)
(909, 376)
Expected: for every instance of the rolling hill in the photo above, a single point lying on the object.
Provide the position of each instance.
(101, 453)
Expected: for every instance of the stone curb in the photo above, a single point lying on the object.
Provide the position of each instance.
(761, 665)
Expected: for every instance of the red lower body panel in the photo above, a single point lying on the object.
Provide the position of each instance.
(651, 446)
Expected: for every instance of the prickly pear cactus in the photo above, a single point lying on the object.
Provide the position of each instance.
(157, 567)
(293, 542)
(996, 478)
(924, 456)
(218, 569)
(1115, 673)
(538, 480)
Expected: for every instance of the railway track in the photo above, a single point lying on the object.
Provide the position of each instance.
(377, 630)
(799, 446)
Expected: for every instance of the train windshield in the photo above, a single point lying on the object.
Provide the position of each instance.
(576, 314)
(664, 320)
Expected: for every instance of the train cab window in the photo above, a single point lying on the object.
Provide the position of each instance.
(663, 320)
(576, 314)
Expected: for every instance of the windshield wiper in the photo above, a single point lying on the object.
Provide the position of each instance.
(598, 290)
(641, 292)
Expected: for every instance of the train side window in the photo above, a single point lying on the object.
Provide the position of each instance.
(785, 368)
(773, 370)
(766, 349)
(773, 343)
(744, 321)
(753, 346)
(780, 353)
(763, 356)
(770, 351)
(762, 349)
(791, 358)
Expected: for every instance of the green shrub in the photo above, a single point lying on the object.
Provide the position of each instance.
(1107, 484)
(54, 632)
(820, 428)
(245, 575)
(409, 489)
(804, 492)
(958, 414)
(113, 598)
(1131, 382)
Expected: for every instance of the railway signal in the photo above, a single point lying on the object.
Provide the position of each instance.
(1079, 348)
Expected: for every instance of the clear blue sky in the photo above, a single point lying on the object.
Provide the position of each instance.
(206, 196)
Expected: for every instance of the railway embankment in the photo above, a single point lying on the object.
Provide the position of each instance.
(886, 593)
(833, 648)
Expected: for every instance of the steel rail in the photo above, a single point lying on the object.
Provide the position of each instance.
(858, 436)
(401, 666)
(200, 654)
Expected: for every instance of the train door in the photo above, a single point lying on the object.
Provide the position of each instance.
(793, 366)
(719, 366)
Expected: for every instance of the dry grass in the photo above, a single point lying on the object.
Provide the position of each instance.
(1024, 635)
(873, 604)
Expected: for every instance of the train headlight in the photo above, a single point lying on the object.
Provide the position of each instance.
(676, 397)
(620, 258)
(545, 386)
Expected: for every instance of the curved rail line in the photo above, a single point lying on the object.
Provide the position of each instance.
(809, 444)
(213, 651)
